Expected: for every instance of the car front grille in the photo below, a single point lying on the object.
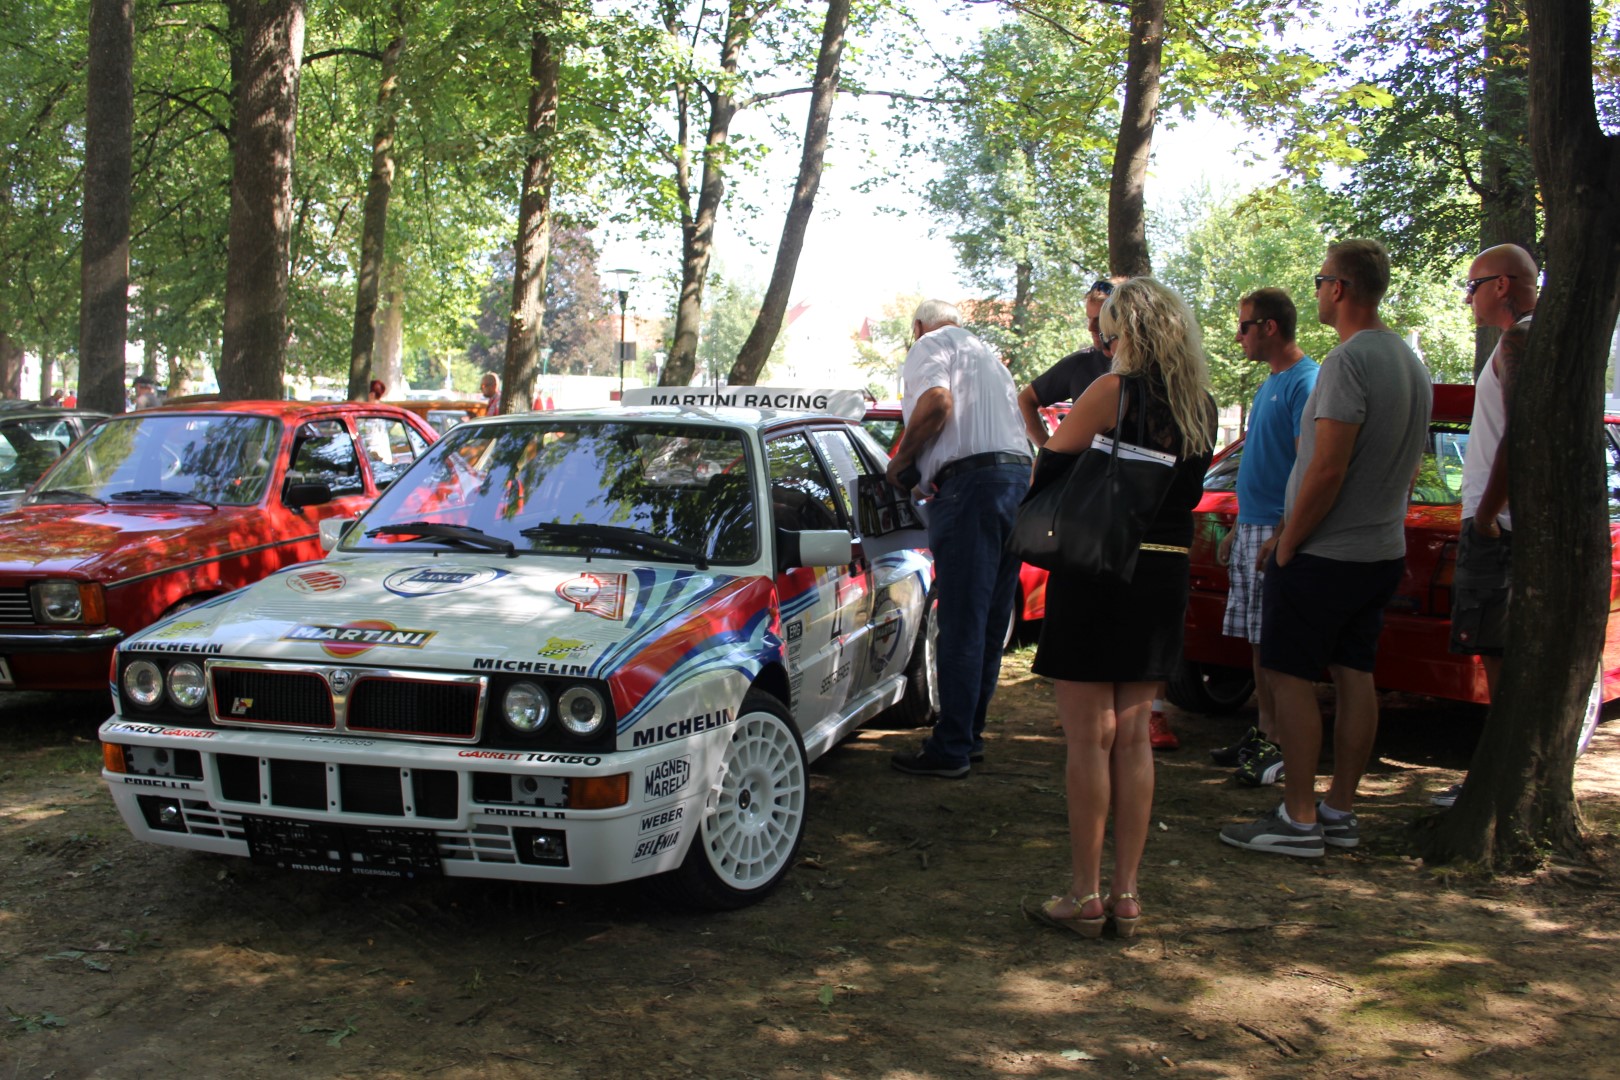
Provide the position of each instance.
(289, 698)
(407, 707)
(15, 609)
(372, 701)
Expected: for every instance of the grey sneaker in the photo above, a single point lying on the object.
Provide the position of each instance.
(1345, 832)
(1262, 767)
(1270, 833)
(1447, 797)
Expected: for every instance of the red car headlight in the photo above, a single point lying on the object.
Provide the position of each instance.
(69, 602)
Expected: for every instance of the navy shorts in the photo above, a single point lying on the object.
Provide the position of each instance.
(1480, 591)
(1320, 612)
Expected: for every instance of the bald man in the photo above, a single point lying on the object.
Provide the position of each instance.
(1501, 290)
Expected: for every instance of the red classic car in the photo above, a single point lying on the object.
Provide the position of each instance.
(1414, 653)
(159, 510)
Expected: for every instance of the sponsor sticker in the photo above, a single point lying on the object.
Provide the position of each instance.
(680, 729)
(601, 595)
(661, 819)
(557, 648)
(152, 729)
(436, 580)
(656, 845)
(794, 630)
(180, 629)
(355, 638)
(316, 581)
(664, 779)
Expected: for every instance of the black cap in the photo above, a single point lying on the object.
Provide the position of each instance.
(144, 380)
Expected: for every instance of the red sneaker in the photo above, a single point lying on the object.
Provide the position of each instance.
(1160, 737)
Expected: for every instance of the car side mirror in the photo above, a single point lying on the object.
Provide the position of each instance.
(333, 531)
(299, 495)
(815, 547)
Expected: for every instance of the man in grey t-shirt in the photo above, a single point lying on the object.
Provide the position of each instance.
(1340, 552)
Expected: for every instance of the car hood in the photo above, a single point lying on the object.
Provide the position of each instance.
(110, 543)
(456, 613)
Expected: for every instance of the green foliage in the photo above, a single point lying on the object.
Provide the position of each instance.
(729, 312)
(883, 352)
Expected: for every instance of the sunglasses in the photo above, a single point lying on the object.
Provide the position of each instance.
(1105, 287)
(1471, 286)
(1108, 340)
(1321, 278)
(1244, 324)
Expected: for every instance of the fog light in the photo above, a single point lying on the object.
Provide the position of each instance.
(541, 847)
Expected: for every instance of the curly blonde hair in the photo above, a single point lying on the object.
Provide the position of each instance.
(1156, 330)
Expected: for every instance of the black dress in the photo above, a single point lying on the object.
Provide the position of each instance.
(1101, 630)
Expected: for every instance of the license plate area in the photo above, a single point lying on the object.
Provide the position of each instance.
(5, 673)
(329, 848)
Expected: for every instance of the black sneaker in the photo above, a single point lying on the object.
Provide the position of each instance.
(1234, 754)
(1262, 767)
(927, 763)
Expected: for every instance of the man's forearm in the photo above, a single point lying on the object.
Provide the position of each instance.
(1029, 407)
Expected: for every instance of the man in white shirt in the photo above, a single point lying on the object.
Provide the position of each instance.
(964, 447)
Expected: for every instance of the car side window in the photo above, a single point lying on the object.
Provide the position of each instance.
(1439, 475)
(801, 493)
(324, 453)
(846, 463)
(1222, 476)
(1612, 460)
(390, 446)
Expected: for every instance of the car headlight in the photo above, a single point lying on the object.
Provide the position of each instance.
(581, 710)
(186, 686)
(143, 682)
(68, 602)
(526, 707)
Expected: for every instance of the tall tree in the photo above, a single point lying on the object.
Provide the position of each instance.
(265, 64)
(1518, 802)
(1127, 193)
(374, 226)
(755, 351)
(104, 254)
(534, 220)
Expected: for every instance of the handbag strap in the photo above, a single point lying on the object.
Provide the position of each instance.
(1128, 384)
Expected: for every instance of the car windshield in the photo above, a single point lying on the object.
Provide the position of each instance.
(168, 458)
(654, 490)
(29, 447)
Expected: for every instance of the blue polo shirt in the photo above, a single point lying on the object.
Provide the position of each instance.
(1269, 448)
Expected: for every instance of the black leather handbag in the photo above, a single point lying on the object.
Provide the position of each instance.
(1086, 513)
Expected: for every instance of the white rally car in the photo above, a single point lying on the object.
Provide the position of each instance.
(570, 647)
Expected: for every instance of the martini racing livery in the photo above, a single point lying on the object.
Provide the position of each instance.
(569, 647)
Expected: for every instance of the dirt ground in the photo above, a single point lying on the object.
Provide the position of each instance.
(896, 948)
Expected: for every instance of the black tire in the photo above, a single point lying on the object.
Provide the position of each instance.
(1210, 688)
(750, 829)
(920, 705)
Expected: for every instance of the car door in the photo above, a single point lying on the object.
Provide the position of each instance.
(824, 609)
(389, 446)
(847, 464)
(322, 451)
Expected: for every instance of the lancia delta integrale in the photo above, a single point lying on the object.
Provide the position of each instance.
(564, 647)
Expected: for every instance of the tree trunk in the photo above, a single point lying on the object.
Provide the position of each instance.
(697, 230)
(265, 59)
(1518, 803)
(104, 253)
(11, 365)
(751, 360)
(1127, 218)
(47, 360)
(387, 353)
(374, 220)
(1507, 173)
(534, 227)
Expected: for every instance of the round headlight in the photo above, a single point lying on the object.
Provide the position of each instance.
(186, 686)
(526, 706)
(143, 682)
(581, 710)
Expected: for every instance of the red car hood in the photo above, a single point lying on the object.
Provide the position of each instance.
(111, 543)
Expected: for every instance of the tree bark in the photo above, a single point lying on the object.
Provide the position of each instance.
(697, 229)
(387, 352)
(1507, 171)
(11, 365)
(265, 60)
(1518, 803)
(757, 348)
(374, 220)
(534, 226)
(104, 253)
(1127, 217)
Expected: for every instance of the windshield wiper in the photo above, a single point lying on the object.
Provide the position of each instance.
(620, 537)
(456, 534)
(65, 495)
(158, 495)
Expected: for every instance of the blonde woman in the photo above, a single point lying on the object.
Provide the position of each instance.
(1109, 646)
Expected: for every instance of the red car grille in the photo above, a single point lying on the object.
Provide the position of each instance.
(15, 610)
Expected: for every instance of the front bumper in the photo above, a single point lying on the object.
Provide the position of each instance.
(65, 639)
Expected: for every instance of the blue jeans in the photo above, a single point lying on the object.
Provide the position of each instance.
(975, 581)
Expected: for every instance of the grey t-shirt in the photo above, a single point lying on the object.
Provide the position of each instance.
(1376, 381)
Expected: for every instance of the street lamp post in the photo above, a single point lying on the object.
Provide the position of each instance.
(624, 279)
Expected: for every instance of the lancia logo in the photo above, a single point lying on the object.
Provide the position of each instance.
(340, 680)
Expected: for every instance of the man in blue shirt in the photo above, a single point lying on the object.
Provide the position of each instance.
(1265, 330)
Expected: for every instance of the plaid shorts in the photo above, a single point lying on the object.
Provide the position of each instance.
(1243, 594)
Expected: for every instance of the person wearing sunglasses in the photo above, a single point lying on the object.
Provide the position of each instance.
(1067, 379)
(1501, 290)
(1265, 332)
(1339, 553)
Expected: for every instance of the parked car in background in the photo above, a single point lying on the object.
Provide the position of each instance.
(162, 509)
(442, 414)
(1414, 654)
(31, 439)
(581, 647)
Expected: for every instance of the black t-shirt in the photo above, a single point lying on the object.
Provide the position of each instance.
(1067, 379)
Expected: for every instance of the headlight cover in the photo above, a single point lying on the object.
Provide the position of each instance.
(143, 682)
(187, 688)
(581, 710)
(59, 602)
(525, 707)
